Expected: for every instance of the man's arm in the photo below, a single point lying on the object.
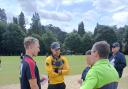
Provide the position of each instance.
(122, 62)
(84, 73)
(90, 81)
(30, 73)
(49, 69)
(33, 84)
(65, 69)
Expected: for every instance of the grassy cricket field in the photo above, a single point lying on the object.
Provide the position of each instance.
(9, 71)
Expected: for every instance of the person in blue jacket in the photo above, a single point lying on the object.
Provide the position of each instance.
(85, 71)
(118, 59)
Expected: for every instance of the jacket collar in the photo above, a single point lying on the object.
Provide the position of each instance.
(101, 61)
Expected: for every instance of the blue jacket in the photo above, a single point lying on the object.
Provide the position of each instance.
(119, 62)
(85, 71)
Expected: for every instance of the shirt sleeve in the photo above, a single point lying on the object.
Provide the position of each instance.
(122, 62)
(65, 69)
(83, 76)
(90, 81)
(30, 71)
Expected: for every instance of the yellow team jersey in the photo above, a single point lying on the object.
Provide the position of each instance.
(51, 65)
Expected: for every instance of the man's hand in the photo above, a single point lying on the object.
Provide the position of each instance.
(80, 81)
(60, 72)
(33, 84)
(44, 79)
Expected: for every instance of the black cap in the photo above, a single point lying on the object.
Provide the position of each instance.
(116, 44)
(55, 45)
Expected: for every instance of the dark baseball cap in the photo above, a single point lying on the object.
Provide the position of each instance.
(116, 44)
(55, 45)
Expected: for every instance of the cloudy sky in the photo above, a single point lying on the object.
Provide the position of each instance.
(67, 14)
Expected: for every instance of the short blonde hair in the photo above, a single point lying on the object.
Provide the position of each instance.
(29, 40)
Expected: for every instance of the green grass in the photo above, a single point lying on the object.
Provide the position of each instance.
(9, 71)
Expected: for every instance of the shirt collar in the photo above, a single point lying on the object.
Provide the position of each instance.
(30, 58)
(54, 57)
(101, 61)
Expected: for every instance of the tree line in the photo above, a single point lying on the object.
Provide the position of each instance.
(78, 41)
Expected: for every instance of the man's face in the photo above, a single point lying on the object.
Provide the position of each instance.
(35, 48)
(94, 55)
(56, 52)
(93, 52)
(89, 59)
(115, 49)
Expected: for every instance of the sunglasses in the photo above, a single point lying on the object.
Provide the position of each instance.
(113, 46)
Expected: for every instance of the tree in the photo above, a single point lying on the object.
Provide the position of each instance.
(72, 42)
(13, 40)
(126, 39)
(22, 21)
(15, 21)
(103, 32)
(126, 33)
(48, 38)
(87, 42)
(3, 27)
(75, 31)
(43, 29)
(41, 42)
(120, 33)
(81, 29)
(57, 32)
(35, 26)
(3, 16)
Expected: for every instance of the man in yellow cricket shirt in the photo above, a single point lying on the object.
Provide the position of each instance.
(56, 66)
